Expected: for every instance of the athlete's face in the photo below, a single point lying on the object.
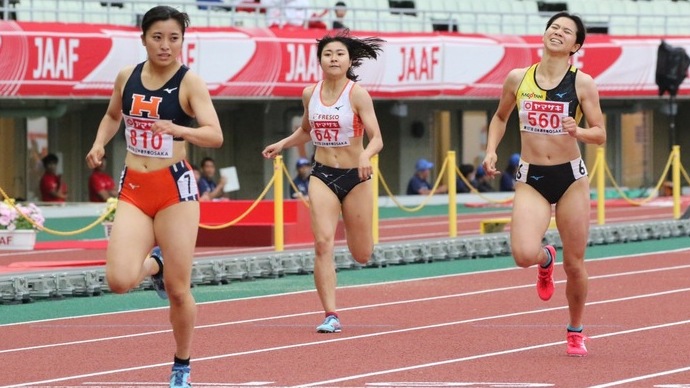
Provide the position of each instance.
(163, 41)
(335, 59)
(561, 35)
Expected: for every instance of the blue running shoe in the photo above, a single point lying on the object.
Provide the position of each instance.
(180, 376)
(157, 279)
(330, 325)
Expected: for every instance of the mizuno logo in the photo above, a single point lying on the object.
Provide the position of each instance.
(169, 90)
(338, 107)
(325, 175)
(536, 178)
(561, 95)
(132, 186)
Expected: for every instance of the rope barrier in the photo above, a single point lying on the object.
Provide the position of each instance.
(685, 174)
(292, 184)
(112, 205)
(98, 221)
(474, 190)
(246, 212)
(424, 201)
(650, 196)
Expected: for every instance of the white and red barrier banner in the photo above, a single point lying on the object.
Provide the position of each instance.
(81, 60)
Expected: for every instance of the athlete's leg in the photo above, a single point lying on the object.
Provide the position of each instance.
(357, 213)
(130, 242)
(324, 208)
(572, 218)
(530, 220)
(176, 230)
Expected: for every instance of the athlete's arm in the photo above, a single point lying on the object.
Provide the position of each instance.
(110, 123)
(588, 95)
(299, 136)
(195, 95)
(497, 126)
(363, 106)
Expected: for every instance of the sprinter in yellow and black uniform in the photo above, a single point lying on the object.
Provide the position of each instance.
(551, 97)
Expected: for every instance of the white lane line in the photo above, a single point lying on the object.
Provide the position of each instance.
(485, 355)
(645, 377)
(379, 334)
(362, 307)
(385, 283)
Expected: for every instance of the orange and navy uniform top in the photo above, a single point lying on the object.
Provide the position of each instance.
(142, 107)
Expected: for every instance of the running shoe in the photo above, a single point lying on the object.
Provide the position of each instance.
(157, 279)
(180, 376)
(576, 344)
(330, 325)
(545, 285)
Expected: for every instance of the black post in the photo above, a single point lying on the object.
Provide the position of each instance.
(672, 109)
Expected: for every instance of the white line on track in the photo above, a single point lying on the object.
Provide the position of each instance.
(619, 257)
(640, 378)
(485, 355)
(379, 334)
(362, 307)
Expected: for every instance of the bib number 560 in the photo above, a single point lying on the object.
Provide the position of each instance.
(544, 120)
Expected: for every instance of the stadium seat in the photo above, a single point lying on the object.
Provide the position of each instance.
(623, 17)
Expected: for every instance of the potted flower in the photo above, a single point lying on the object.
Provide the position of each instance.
(19, 224)
(108, 215)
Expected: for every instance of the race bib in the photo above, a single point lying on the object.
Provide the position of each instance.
(187, 188)
(328, 134)
(544, 117)
(141, 141)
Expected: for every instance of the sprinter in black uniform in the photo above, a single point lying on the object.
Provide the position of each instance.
(551, 97)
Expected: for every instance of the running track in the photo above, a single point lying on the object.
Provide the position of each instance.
(481, 329)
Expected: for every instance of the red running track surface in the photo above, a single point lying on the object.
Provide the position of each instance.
(480, 328)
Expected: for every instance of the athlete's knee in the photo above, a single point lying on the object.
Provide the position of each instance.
(323, 247)
(362, 254)
(525, 256)
(178, 294)
(574, 268)
(119, 284)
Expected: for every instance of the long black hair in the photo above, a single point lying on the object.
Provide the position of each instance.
(162, 13)
(579, 34)
(357, 48)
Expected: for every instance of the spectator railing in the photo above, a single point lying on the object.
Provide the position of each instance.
(249, 14)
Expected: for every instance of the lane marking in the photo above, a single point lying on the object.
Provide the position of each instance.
(442, 384)
(379, 334)
(157, 384)
(486, 355)
(645, 377)
(354, 308)
(385, 283)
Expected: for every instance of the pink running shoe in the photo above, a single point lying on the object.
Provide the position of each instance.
(576, 344)
(545, 285)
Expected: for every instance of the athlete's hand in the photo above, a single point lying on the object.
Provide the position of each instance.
(166, 127)
(365, 169)
(95, 157)
(272, 150)
(489, 165)
(569, 126)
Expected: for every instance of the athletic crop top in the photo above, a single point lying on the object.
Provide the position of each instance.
(333, 125)
(142, 107)
(541, 111)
